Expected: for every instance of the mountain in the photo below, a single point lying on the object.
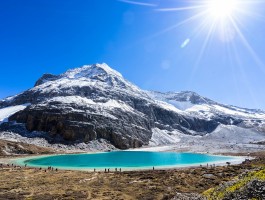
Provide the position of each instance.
(95, 102)
(198, 106)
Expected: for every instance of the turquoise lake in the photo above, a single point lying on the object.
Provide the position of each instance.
(123, 159)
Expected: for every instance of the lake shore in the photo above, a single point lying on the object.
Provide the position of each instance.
(27, 182)
(232, 160)
(21, 183)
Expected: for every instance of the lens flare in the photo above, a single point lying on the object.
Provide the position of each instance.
(217, 23)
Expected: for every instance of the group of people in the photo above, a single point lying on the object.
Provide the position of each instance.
(2, 165)
(50, 168)
(108, 170)
(9, 165)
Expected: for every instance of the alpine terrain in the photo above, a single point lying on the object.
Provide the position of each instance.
(95, 105)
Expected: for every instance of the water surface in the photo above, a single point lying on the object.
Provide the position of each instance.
(124, 159)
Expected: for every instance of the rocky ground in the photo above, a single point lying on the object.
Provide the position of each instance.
(186, 144)
(187, 183)
(18, 148)
(248, 185)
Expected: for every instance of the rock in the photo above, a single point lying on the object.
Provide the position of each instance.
(209, 176)
(255, 189)
(188, 196)
(46, 78)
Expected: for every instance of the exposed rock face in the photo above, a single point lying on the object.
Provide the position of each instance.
(253, 190)
(45, 78)
(83, 127)
(95, 101)
(188, 196)
(123, 129)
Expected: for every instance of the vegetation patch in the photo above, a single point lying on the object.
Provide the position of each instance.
(238, 185)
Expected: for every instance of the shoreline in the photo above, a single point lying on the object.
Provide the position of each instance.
(158, 184)
(235, 160)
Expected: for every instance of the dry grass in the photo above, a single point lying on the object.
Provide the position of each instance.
(28, 183)
(16, 183)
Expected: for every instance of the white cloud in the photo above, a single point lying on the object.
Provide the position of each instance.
(138, 3)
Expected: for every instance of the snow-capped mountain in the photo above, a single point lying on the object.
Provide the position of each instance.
(95, 102)
(195, 105)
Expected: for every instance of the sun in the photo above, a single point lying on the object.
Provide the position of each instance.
(221, 9)
(216, 25)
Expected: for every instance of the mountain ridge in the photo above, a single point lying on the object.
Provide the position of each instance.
(95, 102)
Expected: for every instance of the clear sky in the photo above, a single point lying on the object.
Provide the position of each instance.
(164, 45)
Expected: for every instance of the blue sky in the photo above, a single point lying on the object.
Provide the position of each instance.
(133, 37)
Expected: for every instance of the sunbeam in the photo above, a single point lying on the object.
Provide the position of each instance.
(222, 18)
(202, 51)
(190, 19)
(245, 42)
(179, 9)
(138, 3)
(240, 68)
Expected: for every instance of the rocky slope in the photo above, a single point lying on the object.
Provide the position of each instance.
(198, 106)
(95, 102)
(249, 185)
(17, 148)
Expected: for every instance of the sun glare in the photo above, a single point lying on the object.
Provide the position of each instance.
(218, 21)
(221, 9)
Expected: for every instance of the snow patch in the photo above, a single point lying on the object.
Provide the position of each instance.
(10, 98)
(72, 99)
(168, 106)
(82, 101)
(5, 113)
(182, 105)
(117, 104)
(234, 134)
(164, 137)
(198, 108)
(91, 70)
(238, 112)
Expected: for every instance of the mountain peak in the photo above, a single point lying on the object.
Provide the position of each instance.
(45, 78)
(190, 96)
(89, 71)
(99, 76)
